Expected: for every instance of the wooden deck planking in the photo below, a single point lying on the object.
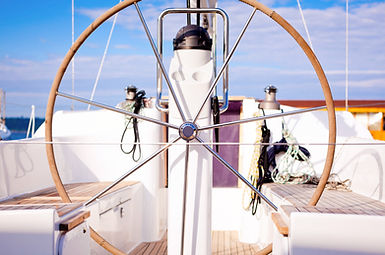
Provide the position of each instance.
(288, 209)
(79, 193)
(223, 243)
(61, 209)
(332, 201)
(221, 237)
(49, 198)
(151, 248)
(296, 197)
(163, 248)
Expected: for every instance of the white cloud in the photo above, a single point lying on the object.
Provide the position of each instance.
(266, 54)
(367, 83)
(12, 69)
(92, 13)
(122, 46)
(115, 66)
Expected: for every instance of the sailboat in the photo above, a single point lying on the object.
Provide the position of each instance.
(72, 188)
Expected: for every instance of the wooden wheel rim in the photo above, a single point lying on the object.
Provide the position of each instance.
(122, 5)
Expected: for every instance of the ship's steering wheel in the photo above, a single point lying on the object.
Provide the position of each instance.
(122, 5)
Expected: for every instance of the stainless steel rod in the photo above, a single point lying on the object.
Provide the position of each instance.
(184, 196)
(225, 50)
(114, 109)
(188, 5)
(223, 68)
(160, 62)
(101, 193)
(235, 172)
(193, 10)
(271, 116)
(159, 79)
(225, 89)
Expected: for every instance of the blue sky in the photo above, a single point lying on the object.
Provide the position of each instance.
(35, 35)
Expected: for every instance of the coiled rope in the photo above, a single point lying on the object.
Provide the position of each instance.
(253, 173)
(294, 166)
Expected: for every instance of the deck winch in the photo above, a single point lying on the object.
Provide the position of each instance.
(270, 101)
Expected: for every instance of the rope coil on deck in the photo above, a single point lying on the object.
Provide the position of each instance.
(290, 167)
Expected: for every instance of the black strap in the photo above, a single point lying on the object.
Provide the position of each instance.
(216, 118)
(139, 103)
(263, 167)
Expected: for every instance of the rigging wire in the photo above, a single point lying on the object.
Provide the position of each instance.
(31, 123)
(305, 25)
(73, 59)
(103, 58)
(191, 143)
(347, 56)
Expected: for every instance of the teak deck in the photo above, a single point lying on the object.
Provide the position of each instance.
(332, 201)
(49, 198)
(223, 243)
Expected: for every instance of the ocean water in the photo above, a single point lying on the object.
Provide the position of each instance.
(19, 125)
(17, 135)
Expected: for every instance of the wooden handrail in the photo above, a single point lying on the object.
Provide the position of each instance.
(74, 221)
(281, 225)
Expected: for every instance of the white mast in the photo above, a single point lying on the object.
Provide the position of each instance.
(2, 105)
(347, 56)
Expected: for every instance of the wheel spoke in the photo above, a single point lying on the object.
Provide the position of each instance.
(225, 64)
(184, 195)
(271, 116)
(235, 172)
(114, 109)
(101, 193)
(160, 62)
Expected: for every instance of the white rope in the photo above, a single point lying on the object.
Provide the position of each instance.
(253, 173)
(31, 123)
(304, 24)
(103, 58)
(289, 169)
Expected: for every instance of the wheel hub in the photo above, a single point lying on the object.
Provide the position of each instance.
(188, 131)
